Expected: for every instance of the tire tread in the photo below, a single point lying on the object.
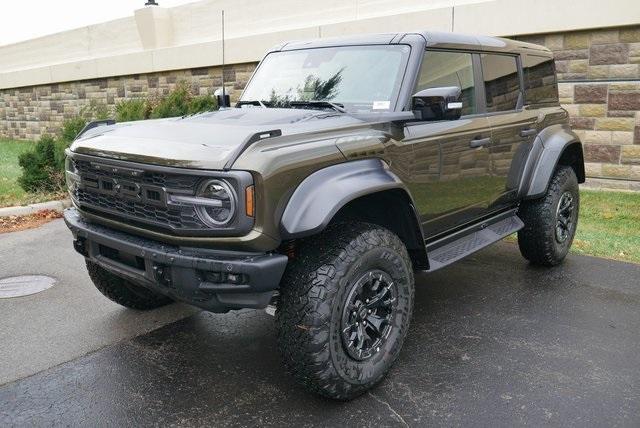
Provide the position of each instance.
(310, 283)
(537, 240)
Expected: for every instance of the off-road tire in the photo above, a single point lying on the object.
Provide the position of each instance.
(124, 292)
(537, 240)
(313, 296)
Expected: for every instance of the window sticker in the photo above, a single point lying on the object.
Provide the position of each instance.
(381, 105)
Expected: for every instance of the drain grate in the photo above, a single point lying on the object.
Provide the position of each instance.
(18, 286)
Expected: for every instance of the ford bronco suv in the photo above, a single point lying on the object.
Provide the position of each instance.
(346, 165)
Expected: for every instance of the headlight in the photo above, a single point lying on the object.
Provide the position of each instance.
(222, 206)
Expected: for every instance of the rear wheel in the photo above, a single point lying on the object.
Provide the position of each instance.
(344, 309)
(124, 292)
(550, 222)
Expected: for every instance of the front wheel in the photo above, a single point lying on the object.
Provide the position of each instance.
(344, 309)
(550, 222)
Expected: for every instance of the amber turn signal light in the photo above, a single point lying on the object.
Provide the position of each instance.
(249, 201)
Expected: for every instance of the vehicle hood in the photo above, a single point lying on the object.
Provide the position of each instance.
(208, 140)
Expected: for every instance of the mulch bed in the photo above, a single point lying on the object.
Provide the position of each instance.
(16, 223)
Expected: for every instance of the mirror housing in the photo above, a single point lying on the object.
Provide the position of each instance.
(444, 103)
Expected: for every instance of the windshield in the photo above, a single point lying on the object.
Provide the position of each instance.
(353, 77)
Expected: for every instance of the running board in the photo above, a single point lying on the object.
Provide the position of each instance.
(467, 241)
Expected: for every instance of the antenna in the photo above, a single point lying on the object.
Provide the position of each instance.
(223, 99)
(223, 91)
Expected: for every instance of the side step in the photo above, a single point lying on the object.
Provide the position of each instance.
(467, 241)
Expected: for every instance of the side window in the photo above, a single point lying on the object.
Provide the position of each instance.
(449, 69)
(501, 82)
(540, 84)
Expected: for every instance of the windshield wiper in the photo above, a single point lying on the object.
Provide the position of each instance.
(256, 103)
(316, 103)
(311, 103)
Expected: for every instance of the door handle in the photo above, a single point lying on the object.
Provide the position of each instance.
(479, 142)
(528, 132)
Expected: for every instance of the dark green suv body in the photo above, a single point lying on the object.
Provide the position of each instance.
(346, 165)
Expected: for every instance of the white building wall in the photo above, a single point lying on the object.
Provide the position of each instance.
(188, 36)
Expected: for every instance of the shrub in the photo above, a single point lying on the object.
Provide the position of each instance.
(203, 103)
(43, 168)
(71, 128)
(134, 109)
(95, 110)
(180, 102)
(174, 104)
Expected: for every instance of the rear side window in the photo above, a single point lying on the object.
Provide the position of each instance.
(540, 84)
(441, 69)
(501, 82)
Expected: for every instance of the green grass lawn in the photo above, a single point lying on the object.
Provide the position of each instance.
(609, 225)
(10, 192)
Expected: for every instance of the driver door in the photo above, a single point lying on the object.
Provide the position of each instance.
(450, 176)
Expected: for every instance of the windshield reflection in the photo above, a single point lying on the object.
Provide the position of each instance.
(358, 78)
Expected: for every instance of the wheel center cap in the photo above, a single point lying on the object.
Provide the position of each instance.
(362, 312)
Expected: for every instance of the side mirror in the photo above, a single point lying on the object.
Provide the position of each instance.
(443, 103)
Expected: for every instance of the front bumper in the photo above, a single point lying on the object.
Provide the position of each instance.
(210, 279)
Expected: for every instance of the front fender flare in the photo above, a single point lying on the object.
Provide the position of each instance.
(321, 195)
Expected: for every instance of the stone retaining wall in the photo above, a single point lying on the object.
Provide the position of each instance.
(27, 113)
(599, 73)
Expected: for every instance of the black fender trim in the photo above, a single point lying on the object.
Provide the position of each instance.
(544, 156)
(258, 136)
(321, 195)
(95, 124)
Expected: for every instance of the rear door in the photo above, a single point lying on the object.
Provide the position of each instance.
(450, 177)
(513, 128)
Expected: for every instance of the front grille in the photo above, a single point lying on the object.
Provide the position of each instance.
(132, 193)
(161, 179)
(183, 218)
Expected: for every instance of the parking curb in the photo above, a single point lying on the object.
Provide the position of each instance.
(58, 206)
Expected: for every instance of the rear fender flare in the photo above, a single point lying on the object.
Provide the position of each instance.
(547, 149)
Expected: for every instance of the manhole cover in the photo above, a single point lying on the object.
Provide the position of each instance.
(25, 285)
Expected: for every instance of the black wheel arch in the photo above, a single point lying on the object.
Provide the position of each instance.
(555, 145)
(364, 190)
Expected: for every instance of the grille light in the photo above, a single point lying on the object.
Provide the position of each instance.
(71, 175)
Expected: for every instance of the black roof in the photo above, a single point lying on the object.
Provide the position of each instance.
(434, 39)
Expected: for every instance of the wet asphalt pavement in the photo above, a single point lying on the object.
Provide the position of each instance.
(493, 342)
